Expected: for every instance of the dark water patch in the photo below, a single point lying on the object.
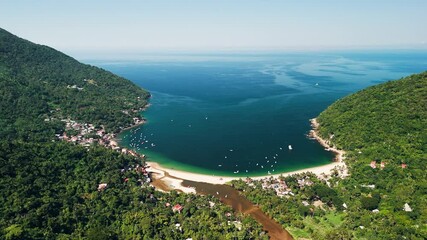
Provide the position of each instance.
(340, 66)
(342, 72)
(307, 78)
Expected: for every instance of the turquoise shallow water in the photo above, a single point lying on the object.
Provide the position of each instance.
(236, 115)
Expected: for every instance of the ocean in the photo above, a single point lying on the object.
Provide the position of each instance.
(247, 114)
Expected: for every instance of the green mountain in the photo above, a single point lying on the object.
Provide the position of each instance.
(385, 124)
(50, 189)
(383, 130)
(38, 82)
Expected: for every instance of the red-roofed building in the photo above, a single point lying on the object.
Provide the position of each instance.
(373, 164)
(382, 165)
(177, 207)
(404, 165)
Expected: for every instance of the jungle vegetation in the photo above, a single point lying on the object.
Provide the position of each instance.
(49, 188)
(380, 125)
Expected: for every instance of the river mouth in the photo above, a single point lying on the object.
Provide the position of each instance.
(239, 203)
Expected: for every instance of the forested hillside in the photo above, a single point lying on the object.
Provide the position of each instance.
(384, 130)
(38, 82)
(52, 189)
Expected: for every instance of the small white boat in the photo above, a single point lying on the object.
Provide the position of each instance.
(290, 147)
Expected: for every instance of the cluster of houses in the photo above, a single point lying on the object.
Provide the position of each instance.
(139, 169)
(278, 185)
(87, 134)
(374, 164)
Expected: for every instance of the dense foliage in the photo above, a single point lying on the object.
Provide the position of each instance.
(383, 129)
(312, 211)
(38, 82)
(385, 123)
(49, 189)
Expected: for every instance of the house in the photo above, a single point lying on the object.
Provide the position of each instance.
(407, 208)
(382, 166)
(404, 165)
(102, 186)
(177, 207)
(373, 164)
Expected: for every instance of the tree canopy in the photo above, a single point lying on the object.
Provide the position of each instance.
(51, 189)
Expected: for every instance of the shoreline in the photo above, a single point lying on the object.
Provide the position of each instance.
(215, 179)
(314, 133)
(320, 171)
(141, 122)
(167, 179)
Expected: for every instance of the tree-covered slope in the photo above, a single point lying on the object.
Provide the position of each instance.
(384, 125)
(388, 121)
(383, 130)
(49, 189)
(38, 82)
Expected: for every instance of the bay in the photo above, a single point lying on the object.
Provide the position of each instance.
(247, 114)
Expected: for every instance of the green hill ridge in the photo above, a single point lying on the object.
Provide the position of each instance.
(385, 125)
(383, 130)
(38, 82)
(51, 189)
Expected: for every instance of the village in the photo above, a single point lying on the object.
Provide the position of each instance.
(86, 134)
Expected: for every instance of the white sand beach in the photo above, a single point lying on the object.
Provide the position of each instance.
(174, 178)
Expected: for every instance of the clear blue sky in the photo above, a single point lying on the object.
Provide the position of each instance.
(156, 25)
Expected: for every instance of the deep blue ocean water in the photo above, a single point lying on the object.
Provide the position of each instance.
(237, 114)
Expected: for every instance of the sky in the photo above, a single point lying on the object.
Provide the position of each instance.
(217, 25)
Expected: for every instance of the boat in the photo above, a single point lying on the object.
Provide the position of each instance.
(290, 147)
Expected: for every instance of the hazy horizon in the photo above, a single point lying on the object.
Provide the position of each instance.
(84, 28)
